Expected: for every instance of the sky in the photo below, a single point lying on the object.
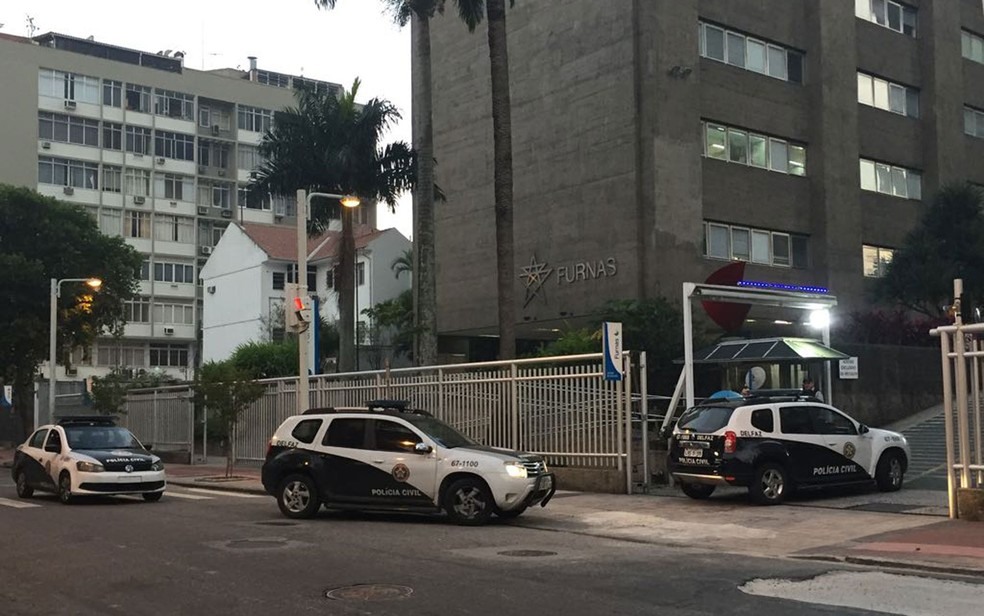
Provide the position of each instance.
(356, 39)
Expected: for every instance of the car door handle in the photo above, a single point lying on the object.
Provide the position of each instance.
(378, 461)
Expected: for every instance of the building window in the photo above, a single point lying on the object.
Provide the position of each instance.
(112, 93)
(213, 154)
(112, 136)
(215, 194)
(137, 311)
(254, 119)
(750, 53)
(735, 243)
(174, 187)
(129, 356)
(888, 96)
(179, 229)
(248, 157)
(284, 205)
(138, 139)
(112, 178)
(137, 224)
(330, 278)
(253, 200)
(68, 129)
(972, 46)
(891, 180)
(174, 314)
(69, 86)
(174, 145)
(745, 148)
(312, 276)
(174, 104)
(168, 356)
(891, 15)
(65, 172)
(138, 98)
(974, 122)
(137, 182)
(279, 280)
(145, 270)
(360, 273)
(876, 260)
(110, 221)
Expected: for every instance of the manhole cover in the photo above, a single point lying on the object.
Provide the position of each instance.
(277, 523)
(370, 592)
(527, 553)
(256, 544)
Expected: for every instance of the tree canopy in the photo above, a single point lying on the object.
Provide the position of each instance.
(947, 243)
(42, 238)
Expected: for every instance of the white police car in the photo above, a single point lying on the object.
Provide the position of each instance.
(779, 441)
(86, 456)
(389, 458)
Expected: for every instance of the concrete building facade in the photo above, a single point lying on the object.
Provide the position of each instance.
(158, 153)
(654, 141)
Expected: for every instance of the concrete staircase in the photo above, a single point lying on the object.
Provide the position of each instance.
(926, 435)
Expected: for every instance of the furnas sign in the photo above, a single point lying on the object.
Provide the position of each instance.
(537, 274)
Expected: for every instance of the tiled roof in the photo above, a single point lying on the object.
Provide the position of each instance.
(280, 242)
(17, 39)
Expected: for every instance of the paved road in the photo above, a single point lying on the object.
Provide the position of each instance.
(198, 552)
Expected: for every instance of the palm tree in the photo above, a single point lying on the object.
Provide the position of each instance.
(470, 12)
(332, 144)
(403, 264)
(424, 265)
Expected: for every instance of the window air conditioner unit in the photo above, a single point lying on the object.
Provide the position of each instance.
(215, 129)
(71, 371)
(226, 213)
(161, 160)
(254, 175)
(68, 190)
(138, 200)
(201, 169)
(168, 330)
(222, 173)
(206, 250)
(278, 216)
(202, 210)
(70, 105)
(45, 145)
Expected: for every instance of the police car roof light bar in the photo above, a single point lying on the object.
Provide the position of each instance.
(396, 405)
(320, 411)
(96, 420)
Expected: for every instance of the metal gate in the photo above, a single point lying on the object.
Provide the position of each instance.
(163, 417)
(961, 350)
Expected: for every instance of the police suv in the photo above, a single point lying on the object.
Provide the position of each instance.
(774, 442)
(387, 457)
(86, 456)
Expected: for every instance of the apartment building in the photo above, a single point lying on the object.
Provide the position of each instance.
(656, 141)
(158, 153)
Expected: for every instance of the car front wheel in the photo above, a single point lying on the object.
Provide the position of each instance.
(468, 502)
(65, 488)
(23, 489)
(298, 497)
(889, 472)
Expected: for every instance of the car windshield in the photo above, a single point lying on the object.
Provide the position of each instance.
(445, 435)
(705, 419)
(101, 437)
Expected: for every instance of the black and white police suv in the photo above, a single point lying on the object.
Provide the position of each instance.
(775, 442)
(87, 456)
(387, 457)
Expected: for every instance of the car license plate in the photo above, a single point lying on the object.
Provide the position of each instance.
(693, 453)
(129, 478)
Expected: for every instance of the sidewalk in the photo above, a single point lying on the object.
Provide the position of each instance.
(243, 479)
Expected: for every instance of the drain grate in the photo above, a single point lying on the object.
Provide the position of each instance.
(256, 544)
(370, 592)
(527, 553)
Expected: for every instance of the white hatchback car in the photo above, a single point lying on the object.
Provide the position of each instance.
(87, 456)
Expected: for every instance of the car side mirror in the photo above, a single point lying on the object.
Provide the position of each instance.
(863, 429)
(422, 448)
(149, 447)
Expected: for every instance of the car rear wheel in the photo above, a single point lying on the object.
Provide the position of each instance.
(889, 472)
(65, 488)
(468, 502)
(152, 497)
(298, 497)
(23, 489)
(771, 485)
(699, 491)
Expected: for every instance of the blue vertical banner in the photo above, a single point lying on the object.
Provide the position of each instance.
(612, 337)
(315, 346)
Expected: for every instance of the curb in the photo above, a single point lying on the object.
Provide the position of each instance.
(192, 482)
(894, 564)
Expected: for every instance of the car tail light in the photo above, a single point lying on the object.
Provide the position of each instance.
(269, 448)
(730, 442)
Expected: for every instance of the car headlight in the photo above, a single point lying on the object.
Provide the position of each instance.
(158, 465)
(516, 469)
(89, 467)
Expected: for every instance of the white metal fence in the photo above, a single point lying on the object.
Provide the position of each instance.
(162, 417)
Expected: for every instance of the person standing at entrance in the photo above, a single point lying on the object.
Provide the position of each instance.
(809, 389)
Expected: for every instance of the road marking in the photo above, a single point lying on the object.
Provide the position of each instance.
(7, 502)
(170, 493)
(224, 493)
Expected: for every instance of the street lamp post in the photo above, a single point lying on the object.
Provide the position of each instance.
(56, 284)
(303, 214)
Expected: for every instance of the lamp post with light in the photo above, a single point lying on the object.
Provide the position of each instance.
(56, 284)
(303, 215)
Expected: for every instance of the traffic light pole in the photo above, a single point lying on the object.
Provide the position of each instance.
(303, 399)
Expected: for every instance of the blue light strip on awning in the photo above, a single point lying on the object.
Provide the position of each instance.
(782, 287)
